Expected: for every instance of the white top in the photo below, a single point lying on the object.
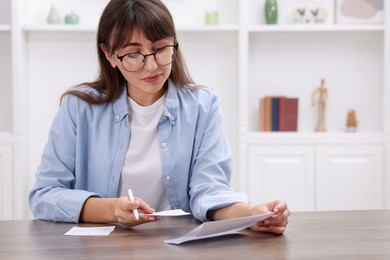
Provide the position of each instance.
(142, 171)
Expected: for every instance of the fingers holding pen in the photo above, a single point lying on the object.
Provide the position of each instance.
(124, 212)
(135, 210)
(144, 207)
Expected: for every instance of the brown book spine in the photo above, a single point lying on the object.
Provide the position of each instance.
(261, 114)
(268, 113)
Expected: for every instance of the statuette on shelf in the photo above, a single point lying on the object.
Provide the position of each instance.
(319, 15)
(322, 93)
(299, 15)
(305, 15)
(54, 16)
(352, 122)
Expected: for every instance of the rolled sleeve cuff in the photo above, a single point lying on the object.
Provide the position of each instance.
(69, 208)
(217, 202)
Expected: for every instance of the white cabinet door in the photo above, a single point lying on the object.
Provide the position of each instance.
(350, 177)
(282, 172)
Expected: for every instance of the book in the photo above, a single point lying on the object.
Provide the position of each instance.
(288, 114)
(275, 114)
(267, 113)
(262, 114)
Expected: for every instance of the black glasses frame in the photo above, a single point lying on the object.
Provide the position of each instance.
(176, 46)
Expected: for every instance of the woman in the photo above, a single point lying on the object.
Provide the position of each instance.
(143, 125)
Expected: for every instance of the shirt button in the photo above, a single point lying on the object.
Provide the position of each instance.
(168, 178)
(164, 145)
(117, 117)
(164, 117)
(172, 118)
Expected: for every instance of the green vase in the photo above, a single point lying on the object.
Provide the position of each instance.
(271, 11)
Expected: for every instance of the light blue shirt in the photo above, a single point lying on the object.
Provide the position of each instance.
(87, 146)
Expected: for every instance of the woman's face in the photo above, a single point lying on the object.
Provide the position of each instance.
(146, 85)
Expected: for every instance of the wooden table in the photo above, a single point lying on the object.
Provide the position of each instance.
(310, 235)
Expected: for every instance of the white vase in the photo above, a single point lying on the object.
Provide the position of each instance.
(53, 16)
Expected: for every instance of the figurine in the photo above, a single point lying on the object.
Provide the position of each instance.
(299, 15)
(319, 15)
(306, 15)
(321, 104)
(351, 121)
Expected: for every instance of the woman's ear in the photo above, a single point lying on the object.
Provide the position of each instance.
(109, 55)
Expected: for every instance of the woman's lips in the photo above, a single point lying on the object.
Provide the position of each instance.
(152, 79)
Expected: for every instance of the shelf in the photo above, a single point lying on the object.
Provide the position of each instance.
(92, 28)
(287, 138)
(316, 28)
(207, 28)
(59, 28)
(5, 28)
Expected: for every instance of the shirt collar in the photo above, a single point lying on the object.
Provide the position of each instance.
(171, 104)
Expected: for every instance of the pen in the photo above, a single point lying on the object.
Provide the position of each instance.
(131, 197)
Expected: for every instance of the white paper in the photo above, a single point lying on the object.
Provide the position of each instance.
(170, 213)
(90, 231)
(219, 228)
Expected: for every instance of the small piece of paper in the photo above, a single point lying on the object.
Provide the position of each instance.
(90, 231)
(219, 228)
(170, 213)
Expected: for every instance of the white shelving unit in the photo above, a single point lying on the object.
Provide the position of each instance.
(242, 59)
(308, 167)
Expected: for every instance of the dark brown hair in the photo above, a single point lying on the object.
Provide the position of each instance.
(116, 25)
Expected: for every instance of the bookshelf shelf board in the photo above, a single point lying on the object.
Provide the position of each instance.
(316, 28)
(59, 28)
(285, 138)
(208, 28)
(5, 28)
(91, 28)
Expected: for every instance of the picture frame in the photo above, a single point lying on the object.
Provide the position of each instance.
(359, 12)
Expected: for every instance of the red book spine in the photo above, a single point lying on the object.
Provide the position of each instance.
(288, 114)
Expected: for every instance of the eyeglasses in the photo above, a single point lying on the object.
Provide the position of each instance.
(135, 61)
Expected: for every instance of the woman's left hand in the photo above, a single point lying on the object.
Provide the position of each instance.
(275, 224)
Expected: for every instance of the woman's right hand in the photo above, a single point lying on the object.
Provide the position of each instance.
(123, 212)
